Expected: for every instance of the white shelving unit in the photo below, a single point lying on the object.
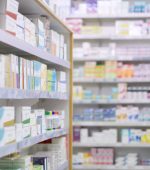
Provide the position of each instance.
(16, 97)
(100, 40)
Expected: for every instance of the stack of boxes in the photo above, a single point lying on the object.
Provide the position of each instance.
(33, 29)
(98, 156)
(8, 15)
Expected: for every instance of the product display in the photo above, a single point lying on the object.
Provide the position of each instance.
(112, 51)
(22, 122)
(127, 28)
(122, 92)
(104, 137)
(53, 158)
(99, 156)
(135, 136)
(17, 72)
(113, 70)
(60, 8)
(106, 8)
(111, 84)
(103, 156)
(33, 29)
(35, 85)
(122, 114)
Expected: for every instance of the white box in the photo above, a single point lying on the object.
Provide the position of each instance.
(20, 20)
(32, 119)
(8, 24)
(20, 33)
(9, 135)
(26, 132)
(41, 113)
(34, 131)
(23, 115)
(9, 7)
(19, 131)
(7, 116)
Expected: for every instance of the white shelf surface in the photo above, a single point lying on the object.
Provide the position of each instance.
(109, 37)
(109, 167)
(17, 147)
(121, 16)
(111, 124)
(64, 166)
(109, 81)
(109, 102)
(133, 59)
(6, 93)
(115, 145)
(19, 47)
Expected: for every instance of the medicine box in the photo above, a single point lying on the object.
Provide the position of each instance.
(8, 24)
(9, 7)
(7, 116)
(23, 115)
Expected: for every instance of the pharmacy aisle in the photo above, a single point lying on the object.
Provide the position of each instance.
(35, 86)
(111, 116)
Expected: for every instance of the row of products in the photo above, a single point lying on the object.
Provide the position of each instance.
(135, 28)
(103, 156)
(83, 135)
(110, 8)
(60, 8)
(33, 29)
(51, 158)
(17, 72)
(113, 70)
(131, 159)
(112, 52)
(22, 122)
(110, 136)
(122, 92)
(135, 136)
(114, 114)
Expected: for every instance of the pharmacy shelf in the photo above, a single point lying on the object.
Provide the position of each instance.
(115, 145)
(17, 147)
(6, 93)
(19, 47)
(41, 7)
(133, 59)
(109, 37)
(98, 16)
(109, 167)
(111, 124)
(110, 102)
(109, 81)
(64, 166)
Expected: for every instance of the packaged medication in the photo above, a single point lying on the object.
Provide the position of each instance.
(23, 115)
(8, 24)
(7, 116)
(9, 7)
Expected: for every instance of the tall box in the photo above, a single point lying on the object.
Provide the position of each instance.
(9, 7)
